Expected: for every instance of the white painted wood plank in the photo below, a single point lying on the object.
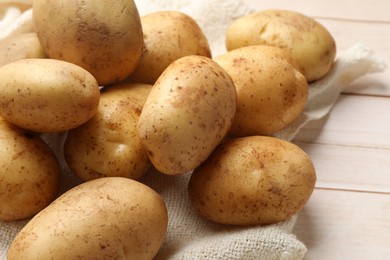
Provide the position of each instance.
(349, 27)
(345, 225)
(351, 168)
(360, 121)
(377, 84)
(351, 147)
(373, 10)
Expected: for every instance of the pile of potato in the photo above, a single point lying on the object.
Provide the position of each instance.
(137, 92)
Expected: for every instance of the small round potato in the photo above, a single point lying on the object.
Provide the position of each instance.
(271, 92)
(46, 95)
(308, 41)
(103, 37)
(21, 46)
(254, 180)
(168, 36)
(106, 218)
(29, 173)
(108, 144)
(187, 113)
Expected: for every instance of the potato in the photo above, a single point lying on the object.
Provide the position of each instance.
(108, 144)
(254, 180)
(187, 113)
(271, 92)
(103, 37)
(46, 95)
(29, 173)
(168, 36)
(107, 218)
(308, 41)
(21, 46)
(138, 92)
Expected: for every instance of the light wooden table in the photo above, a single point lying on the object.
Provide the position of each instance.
(348, 216)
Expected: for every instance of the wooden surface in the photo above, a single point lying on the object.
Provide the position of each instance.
(348, 216)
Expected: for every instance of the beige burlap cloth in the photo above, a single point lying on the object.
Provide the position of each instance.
(188, 236)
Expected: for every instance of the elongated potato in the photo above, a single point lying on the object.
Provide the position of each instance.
(46, 95)
(106, 218)
(254, 180)
(187, 113)
(29, 173)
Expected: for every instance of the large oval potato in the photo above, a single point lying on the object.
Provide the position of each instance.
(108, 144)
(46, 95)
(308, 41)
(254, 180)
(29, 173)
(168, 36)
(21, 46)
(103, 37)
(271, 92)
(106, 218)
(187, 113)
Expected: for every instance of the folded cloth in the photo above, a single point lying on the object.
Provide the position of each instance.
(14, 21)
(189, 236)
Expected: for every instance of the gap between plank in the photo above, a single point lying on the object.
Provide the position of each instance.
(342, 145)
(351, 20)
(352, 190)
(363, 94)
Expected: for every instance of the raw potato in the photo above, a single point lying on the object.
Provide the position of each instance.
(107, 218)
(187, 113)
(108, 144)
(271, 92)
(255, 180)
(21, 46)
(29, 173)
(108, 44)
(168, 36)
(309, 42)
(46, 95)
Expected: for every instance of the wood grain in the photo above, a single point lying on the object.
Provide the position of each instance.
(338, 224)
(348, 216)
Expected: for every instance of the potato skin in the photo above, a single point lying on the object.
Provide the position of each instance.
(107, 44)
(21, 46)
(254, 180)
(168, 36)
(46, 95)
(308, 41)
(271, 92)
(108, 144)
(29, 173)
(106, 218)
(187, 113)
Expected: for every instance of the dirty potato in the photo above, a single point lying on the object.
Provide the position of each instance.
(21, 46)
(106, 218)
(103, 37)
(308, 41)
(108, 144)
(271, 91)
(29, 173)
(168, 36)
(46, 95)
(187, 113)
(254, 180)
